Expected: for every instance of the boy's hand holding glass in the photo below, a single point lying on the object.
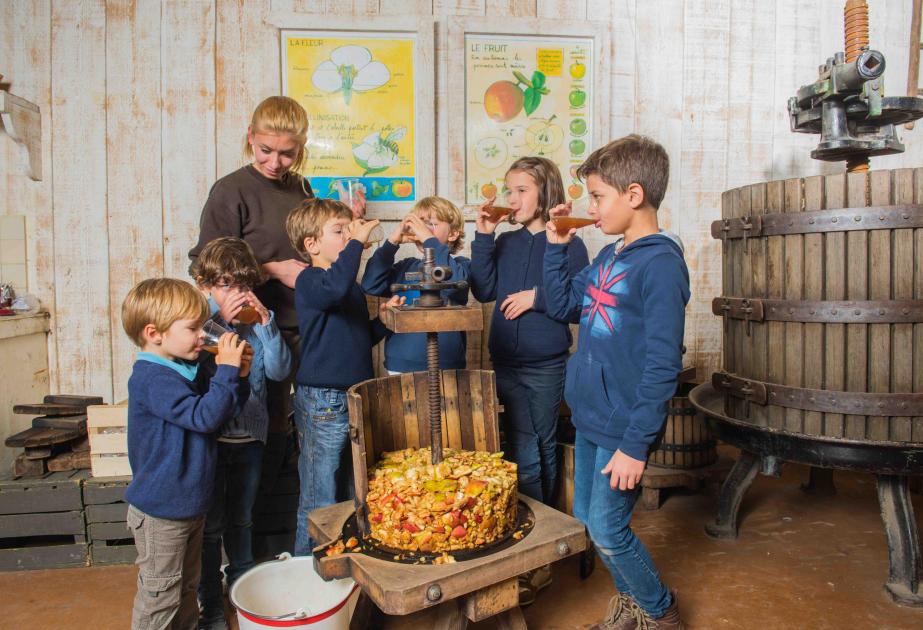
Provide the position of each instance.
(254, 311)
(421, 230)
(366, 232)
(246, 360)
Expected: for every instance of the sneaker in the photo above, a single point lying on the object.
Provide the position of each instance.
(621, 615)
(670, 620)
(531, 582)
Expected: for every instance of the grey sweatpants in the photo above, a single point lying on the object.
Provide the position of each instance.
(169, 566)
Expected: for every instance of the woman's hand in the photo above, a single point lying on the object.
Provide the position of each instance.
(483, 222)
(285, 271)
(258, 307)
(625, 471)
(516, 304)
(358, 204)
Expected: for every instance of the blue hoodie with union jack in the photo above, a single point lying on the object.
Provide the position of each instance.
(631, 304)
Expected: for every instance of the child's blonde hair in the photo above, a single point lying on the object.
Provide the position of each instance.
(444, 210)
(280, 114)
(547, 177)
(633, 159)
(307, 220)
(160, 301)
(226, 259)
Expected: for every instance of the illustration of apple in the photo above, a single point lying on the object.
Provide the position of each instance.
(489, 191)
(573, 171)
(577, 127)
(577, 147)
(401, 188)
(503, 100)
(574, 190)
(577, 70)
(577, 98)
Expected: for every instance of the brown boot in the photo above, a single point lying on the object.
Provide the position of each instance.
(668, 621)
(621, 614)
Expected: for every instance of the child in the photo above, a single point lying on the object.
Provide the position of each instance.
(434, 222)
(336, 349)
(173, 412)
(226, 271)
(631, 302)
(528, 348)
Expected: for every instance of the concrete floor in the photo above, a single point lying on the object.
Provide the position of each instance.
(800, 562)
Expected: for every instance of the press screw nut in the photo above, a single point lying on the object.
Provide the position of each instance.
(563, 549)
(434, 593)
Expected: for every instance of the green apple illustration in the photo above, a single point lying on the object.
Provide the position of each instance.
(577, 98)
(577, 147)
(577, 127)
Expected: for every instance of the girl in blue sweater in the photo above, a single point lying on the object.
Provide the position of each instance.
(527, 347)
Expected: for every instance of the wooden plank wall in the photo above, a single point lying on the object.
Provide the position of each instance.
(145, 103)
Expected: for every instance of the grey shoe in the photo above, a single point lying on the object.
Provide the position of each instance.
(531, 582)
(622, 614)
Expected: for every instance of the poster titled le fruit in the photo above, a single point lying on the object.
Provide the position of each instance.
(525, 96)
(358, 91)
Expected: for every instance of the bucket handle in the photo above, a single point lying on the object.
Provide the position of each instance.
(300, 613)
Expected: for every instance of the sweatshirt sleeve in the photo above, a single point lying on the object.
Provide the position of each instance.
(221, 216)
(203, 413)
(577, 260)
(564, 284)
(277, 359)
(664, 293)
(484, 267)
(325, 290)
(380, 271)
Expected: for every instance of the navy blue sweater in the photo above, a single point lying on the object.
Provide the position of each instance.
(629, 351)
(513, 263)
(406, 352)
(333, 319)
(171, 436)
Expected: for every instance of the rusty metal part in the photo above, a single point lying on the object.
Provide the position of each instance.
(820, 311)
(822, 400)
(856, 27)
(836, 220)
(435, 396)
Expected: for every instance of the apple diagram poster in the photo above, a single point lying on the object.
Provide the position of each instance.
(525, 96)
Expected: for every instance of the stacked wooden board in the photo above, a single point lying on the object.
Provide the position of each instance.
(57, 440)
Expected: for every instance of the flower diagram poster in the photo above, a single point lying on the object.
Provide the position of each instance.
(358, 91)
(525, 96)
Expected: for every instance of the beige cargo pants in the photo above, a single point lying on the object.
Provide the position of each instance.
(169, 565)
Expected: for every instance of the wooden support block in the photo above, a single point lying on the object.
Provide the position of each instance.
(75, 401)
(43, 409)
(25, 467)
(37, 452)
(69, 461)
(41, 437)
(492, 600)
(77, 422)
(443, 319)
(81, 445)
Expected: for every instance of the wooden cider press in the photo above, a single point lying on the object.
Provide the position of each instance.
(430, 314)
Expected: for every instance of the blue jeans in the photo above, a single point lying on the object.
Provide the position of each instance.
(325, 461)
(230, 517)
(607, 515)
(531, 398)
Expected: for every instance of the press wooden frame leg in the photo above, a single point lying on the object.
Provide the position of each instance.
(732, 493)
(904, 558)
(449, 616)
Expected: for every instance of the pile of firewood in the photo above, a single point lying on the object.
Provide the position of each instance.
(57, 440)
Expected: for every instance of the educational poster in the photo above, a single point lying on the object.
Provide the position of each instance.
(525, 96)
(358, 91)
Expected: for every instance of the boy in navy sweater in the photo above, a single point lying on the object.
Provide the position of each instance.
(434, 222)
(173, 413)
(336, 349)
(631, 302)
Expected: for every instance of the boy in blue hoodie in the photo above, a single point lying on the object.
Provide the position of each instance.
(174, 410)
(434, 222)
(336, 349)
(226, 271)
(631, 303)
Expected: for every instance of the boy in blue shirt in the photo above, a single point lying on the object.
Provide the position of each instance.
(336, 349)
(174, 410)
(631, 301)
(226, 272)
(434, 222)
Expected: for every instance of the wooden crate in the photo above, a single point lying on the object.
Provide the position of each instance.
(107, 529)
(107, 427)
(42, 522)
